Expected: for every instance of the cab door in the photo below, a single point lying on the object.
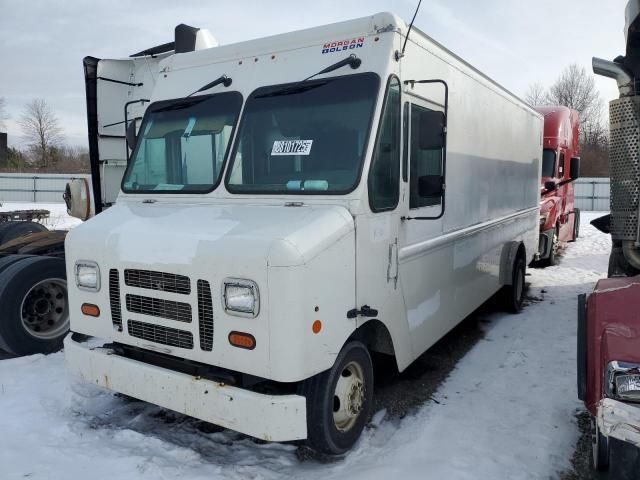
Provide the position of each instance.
(377, 289)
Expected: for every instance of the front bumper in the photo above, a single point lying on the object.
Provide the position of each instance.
(619, 420)
(268, 417)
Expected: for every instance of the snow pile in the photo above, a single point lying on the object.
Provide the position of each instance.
(506, 411)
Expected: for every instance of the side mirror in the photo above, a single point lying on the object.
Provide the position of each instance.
(130, 133)
(574, 168)
(550, 186)
(77, 196)
(430, 186)
(432, 130)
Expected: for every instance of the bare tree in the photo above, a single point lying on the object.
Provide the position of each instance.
(576, 89)
(536, 94)
(4, 116)
(41, 127)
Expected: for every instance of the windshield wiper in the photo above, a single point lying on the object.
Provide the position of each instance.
(226, 81)
(353, 61)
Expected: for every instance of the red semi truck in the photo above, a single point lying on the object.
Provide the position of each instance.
(559, 219)
(609, 318)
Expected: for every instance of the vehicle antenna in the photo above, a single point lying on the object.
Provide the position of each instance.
(399, 55)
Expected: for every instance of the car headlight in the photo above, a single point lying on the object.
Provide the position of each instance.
(87, 275)
(623, 381)
(241, 297)
(543, 219)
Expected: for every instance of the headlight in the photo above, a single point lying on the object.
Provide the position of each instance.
(241, 297)
(87, 275)
(543, 219)
(623, 381)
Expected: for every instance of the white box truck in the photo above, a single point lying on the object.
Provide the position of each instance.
(290, 206)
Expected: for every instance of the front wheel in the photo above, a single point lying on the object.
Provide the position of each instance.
(339, 401)
(576, 224)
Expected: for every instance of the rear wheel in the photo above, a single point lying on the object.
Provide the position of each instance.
(600, 448)
(34, 312)
(339, 401)
(513, 295)
(6, 262)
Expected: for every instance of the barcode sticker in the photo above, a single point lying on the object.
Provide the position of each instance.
(291, 147)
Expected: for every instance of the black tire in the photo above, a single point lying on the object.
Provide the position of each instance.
(36, 289)
(513, 295)
(18, 229)
(552, 259)
(4, 226)
(576, 224)
(6, 262)
(323, 432)
(600, 448)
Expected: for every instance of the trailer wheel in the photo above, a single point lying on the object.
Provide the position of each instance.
(513, 295)
(34, 312)
(339, 401)
(18, 229)
(600, 448)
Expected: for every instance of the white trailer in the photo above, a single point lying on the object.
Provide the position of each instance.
(272, 232)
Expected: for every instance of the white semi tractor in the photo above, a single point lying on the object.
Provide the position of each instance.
(290, 206)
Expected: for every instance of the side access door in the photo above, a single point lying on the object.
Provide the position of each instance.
(425, 258)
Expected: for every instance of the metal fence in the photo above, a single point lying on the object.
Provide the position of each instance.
(592, 194)
(28, 187)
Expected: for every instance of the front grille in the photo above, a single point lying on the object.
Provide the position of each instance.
(158, 334)
(158, 307)
(205, 315)
(161, 281)
(114, 299)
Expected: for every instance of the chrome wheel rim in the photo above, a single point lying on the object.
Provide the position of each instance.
(348, 398)
(44, 310)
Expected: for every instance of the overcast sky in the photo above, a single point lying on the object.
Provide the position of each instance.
(517, 42)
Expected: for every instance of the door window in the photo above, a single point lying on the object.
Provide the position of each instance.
(384, 176)
(422, 162)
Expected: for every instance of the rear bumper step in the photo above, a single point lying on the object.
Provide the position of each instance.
(268, 417)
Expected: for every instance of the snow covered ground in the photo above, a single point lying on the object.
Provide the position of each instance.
(506, 411)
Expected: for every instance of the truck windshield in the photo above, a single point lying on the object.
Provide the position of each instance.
(548, 163)
(308, 138)
(182, 145)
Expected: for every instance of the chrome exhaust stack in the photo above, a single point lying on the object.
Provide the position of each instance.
(616, 71)
(624, 161)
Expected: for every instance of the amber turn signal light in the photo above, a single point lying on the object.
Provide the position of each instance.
(242, 340)
(90, 310)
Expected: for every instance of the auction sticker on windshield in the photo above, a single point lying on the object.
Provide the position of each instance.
(291, 147)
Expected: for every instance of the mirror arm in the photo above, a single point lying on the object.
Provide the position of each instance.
(126, 122)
